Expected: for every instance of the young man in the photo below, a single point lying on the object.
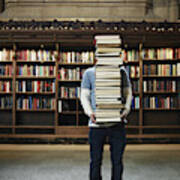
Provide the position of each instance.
(99, 132)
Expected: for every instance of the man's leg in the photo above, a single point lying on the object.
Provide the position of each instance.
(96, 140)
(117, 140)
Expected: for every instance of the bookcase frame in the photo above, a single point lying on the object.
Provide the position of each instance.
(80, 34)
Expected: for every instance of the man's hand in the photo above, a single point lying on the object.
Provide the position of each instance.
(125, 113)
(93, 118)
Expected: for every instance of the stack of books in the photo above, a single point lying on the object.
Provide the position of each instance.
(108, 78)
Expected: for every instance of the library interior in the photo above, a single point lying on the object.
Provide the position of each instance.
(69, 69)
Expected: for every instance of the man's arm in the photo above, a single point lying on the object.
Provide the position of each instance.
(85, 96)
(127, 92)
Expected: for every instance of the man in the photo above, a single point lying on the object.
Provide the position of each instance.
(99, 132)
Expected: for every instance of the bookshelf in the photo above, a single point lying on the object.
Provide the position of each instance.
(34, 45)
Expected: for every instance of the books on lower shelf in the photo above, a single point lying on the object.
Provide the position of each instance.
(135, 102)
(133, 71)
(35, 103)
(6, 102)
(69, 92)
(6, 55)
(165, 102)
(36, 70)
(108, 78)
(77, 57)
(5, 86)
(159, 85)
(6, 70)
(35, 86)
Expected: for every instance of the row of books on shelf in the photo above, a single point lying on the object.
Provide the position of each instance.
(36, 55)
(35, 86)
(166, 102)
(135, 102)
(69, 92)
(6, 102)
(35, 103)
(6, 70)
(162, 69)
(77, 57)
(86, 56)
(161, 85)
(36, 70)
(135, 86)
(161, 53)
(6, 55)
(5, 86)
(133, 71)
(70, 74)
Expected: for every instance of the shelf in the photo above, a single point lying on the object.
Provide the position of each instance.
(6, 62)
(5, 77)
(162, 127)
(35, 93)
(126, 63)
(34, 127)
(156, 76)
(69, 80)
(161, 109)
(160, 92)
(157, 61)
(5, 109)
(35, 77)
(67, 112)
(6, 93)
(5, 127)
(35, 110)
(74, 98)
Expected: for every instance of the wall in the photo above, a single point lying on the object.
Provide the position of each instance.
(110, 10)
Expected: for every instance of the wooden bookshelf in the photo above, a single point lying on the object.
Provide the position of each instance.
(144, 123)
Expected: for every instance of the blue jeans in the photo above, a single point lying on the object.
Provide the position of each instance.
(117, 141)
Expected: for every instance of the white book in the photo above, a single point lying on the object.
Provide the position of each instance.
(110, 119)
(108, 82)
(35, 86)
(59, 106)
(101, 113)
(1, 55)
(145, 86)
(8, 86)
(23, 86)
(109, 37)
(178, 69)
(108, 41)
(108, 50)
(106, 54)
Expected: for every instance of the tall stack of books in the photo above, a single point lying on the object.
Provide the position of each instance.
(108, 78)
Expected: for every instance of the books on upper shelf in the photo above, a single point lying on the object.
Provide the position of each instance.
(6, 70)
(6, 102)
(161, 53)
(35, 86)
(162, 69)
(35, 103)
(77, 57)
(6, 55)
(159, 85)
(36, 55)
(131, 55)
(108, 78)
(5, 86)
(36, 70)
